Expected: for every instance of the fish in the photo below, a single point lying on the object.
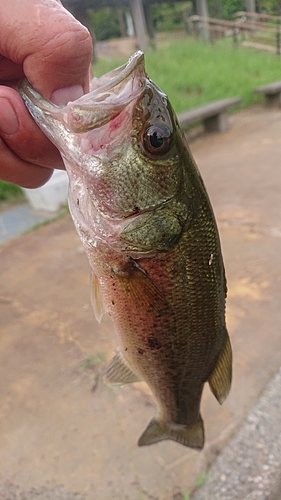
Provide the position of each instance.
(144, 217)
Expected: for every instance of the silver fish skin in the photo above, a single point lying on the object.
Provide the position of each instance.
(143, 214)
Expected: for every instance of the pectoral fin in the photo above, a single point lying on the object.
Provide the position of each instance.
(189, 435)
(220, 378)
(119, 372)
(96, 298)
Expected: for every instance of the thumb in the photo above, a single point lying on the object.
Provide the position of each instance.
(54, 49)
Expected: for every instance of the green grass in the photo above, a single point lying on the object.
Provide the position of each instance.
(91, 361)
(199, 481)
(63, 210)
(192, 72)
(10, 192)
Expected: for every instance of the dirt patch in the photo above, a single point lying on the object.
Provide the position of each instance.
(63, 433)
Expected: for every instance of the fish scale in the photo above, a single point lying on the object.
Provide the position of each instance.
(144, 217)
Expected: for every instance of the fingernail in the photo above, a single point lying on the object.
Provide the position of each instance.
(63, 96)
(9, 123)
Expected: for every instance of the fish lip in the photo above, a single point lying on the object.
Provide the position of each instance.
(27, 90)
(117, 75)
(108, 96)
(121, 86)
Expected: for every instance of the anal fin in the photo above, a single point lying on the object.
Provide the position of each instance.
(188, 435)
(119, 372)
(220, 378)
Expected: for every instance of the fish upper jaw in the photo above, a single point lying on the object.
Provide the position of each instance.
(108, 96)
(88, 130)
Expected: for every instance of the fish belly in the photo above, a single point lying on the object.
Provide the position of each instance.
(168, 337)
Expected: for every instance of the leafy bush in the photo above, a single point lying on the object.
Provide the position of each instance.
(10, 192)
(105, 23)
(169, 16)
(232, 6)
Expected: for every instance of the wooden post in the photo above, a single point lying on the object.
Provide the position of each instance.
(202, 11)
(139, 23)
(250, 6)
(278, 38)
(149, 25)
(121, 22)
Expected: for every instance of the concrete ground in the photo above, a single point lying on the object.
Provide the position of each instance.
(249, 467)
(63, 434)
(19, 219)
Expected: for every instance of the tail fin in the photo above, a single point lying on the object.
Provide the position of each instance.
(188, 435)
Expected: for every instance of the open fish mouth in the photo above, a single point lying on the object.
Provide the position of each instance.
(108, 96)
(113, 79)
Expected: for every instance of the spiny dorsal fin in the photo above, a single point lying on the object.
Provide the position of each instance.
(220, 378)
(188, 435)
(119, 372)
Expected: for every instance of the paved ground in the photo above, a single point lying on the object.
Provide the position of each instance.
(63, 434)
(249, 467)
(18, 219)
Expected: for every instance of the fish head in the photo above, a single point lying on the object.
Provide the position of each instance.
(121, 145)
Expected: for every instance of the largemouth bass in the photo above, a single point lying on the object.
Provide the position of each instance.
(144, 217)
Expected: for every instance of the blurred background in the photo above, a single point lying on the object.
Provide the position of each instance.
(63, 434)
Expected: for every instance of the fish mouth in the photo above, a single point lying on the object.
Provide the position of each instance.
(108, 96)
(111, 81)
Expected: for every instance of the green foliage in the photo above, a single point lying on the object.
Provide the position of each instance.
(166, 16)
(10, 192)
(169, 16)
(272, 7)
(192, 72)
(105, 23)
(91, 361)
(232, 6)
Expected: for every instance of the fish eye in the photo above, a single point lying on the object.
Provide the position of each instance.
(157, 139)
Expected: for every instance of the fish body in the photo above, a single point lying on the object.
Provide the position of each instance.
(143, 214)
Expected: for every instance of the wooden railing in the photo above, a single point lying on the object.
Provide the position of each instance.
(260, 29)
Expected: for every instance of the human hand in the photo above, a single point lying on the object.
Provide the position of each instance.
(43, 42)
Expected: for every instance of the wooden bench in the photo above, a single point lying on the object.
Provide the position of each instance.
(272, 92)
(213, 114)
